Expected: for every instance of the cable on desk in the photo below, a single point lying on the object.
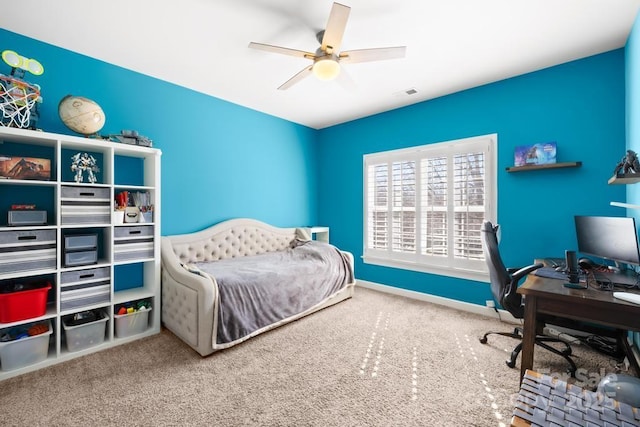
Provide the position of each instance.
(593, 283)
(623, 286)
(606, 284)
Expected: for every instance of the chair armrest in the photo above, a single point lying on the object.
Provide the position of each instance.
(519, 274)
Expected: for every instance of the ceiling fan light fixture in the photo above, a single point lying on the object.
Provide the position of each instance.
(326, 68)
(327, 57)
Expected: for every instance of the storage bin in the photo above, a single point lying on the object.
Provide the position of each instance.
(26, 217)
(85, 205)
(85, 193)
(25, 351)
(74, 259)
(133, 243)
(146, 217)
(80, 337)
(131, 214)
(77, 242)
(82, 288)
(84, 276)
(21, 305)
(132, 323)
(133, 232)
(27, 250)
(117, 217)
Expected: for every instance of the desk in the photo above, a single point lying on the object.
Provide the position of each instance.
(548, 297)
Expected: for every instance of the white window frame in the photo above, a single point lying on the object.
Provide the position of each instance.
(449, 265)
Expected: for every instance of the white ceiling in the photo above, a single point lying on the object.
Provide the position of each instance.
(451, 45)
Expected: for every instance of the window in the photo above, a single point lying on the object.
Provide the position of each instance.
(424, 206)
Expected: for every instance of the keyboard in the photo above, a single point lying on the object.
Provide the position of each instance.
(553, 262)
(625, 278)
(627, 296)
(550, 273)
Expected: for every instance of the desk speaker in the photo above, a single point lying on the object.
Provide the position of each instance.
(572, 266)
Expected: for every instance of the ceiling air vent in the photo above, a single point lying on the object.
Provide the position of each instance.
(406, 92)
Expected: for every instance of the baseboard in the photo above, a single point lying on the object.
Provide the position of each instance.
(502, 315)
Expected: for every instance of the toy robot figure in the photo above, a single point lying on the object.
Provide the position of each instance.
(628, 164)
(84, 162)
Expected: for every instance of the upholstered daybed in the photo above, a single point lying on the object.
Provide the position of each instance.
(239, 278)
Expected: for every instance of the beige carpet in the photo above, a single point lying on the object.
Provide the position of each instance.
(373, 360)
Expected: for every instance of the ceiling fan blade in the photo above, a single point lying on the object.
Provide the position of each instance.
(282, 50)
(336, 25)
(375, 54)
(344, 79)
(297, 78)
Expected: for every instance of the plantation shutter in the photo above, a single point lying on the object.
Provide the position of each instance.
(426, 205)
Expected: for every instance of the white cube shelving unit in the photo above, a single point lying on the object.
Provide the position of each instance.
(127, 258)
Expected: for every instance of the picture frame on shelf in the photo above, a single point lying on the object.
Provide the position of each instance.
(535, 154)
(21, 167)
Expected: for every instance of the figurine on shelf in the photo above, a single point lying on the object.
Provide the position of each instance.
(131, 137)
(84, 162)
(628, 164)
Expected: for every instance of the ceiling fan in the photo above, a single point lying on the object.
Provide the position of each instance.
(326, 59)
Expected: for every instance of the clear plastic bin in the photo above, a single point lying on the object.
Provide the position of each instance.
(87, 335)
(25, 351)
(132, 323)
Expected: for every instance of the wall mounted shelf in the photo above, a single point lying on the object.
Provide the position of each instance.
(547, 166)
(624, 205)
(627, 178)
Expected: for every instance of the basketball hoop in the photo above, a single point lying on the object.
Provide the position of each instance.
(18, 102)
(17, 97)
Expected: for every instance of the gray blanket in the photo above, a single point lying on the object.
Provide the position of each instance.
(259, 290)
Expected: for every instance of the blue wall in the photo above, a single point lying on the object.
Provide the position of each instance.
(219, 161)
(580, 105)
(632, 76)
(222, 160)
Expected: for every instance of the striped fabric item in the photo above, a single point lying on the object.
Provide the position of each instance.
(544, 401)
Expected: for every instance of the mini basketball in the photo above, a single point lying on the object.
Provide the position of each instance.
(81, 114)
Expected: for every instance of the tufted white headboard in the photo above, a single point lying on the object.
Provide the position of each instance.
(233, 238)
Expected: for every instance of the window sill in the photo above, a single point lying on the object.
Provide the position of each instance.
(479, 276)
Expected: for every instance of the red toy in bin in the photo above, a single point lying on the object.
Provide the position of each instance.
(21, 305)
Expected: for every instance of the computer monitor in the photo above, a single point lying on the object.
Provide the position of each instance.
(610, 238)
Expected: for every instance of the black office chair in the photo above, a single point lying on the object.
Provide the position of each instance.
(504, 285)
